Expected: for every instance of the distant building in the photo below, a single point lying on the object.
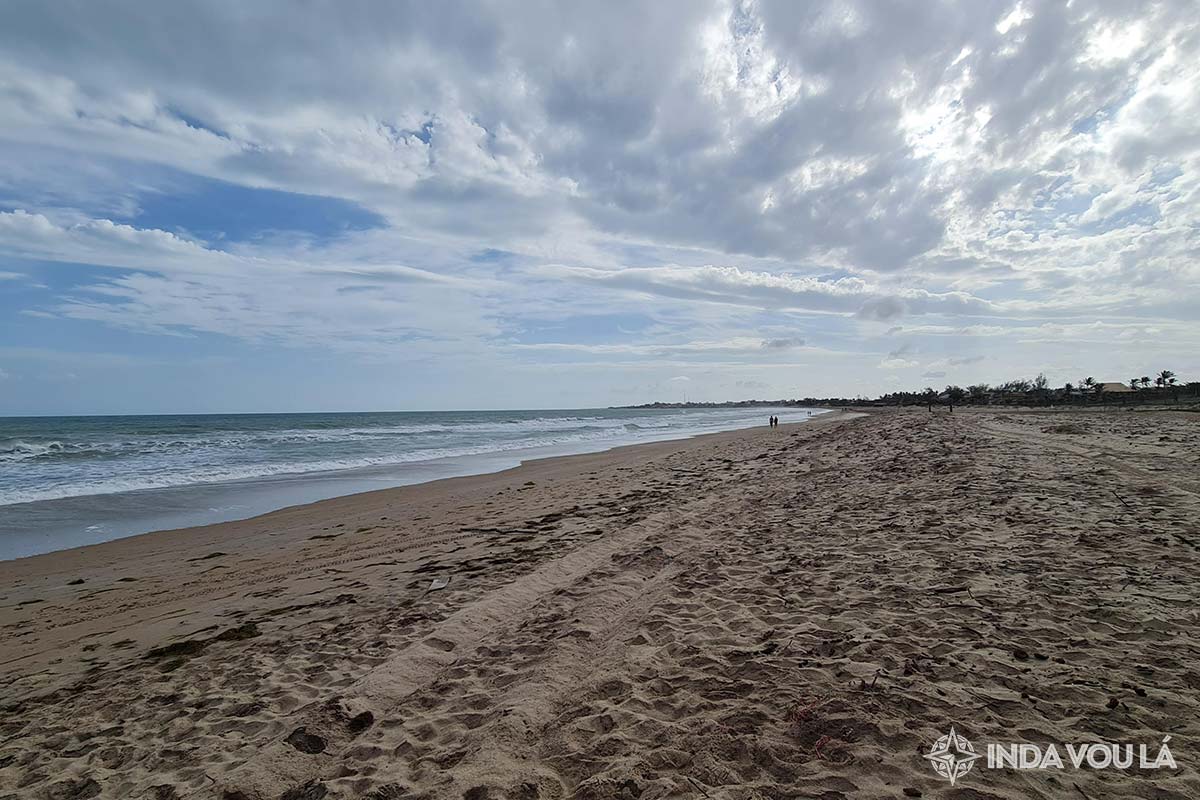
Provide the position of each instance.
(1111, 387)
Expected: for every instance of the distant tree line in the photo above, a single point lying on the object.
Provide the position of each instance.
(1165, 387)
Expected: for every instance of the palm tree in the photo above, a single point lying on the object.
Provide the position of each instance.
(1166, 378)
(1133, 383)
(1087, 386)
(1145, 381)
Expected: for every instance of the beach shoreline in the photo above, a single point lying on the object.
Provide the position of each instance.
(314, 509)
(798, 611)
(169, 556)
(79, 481)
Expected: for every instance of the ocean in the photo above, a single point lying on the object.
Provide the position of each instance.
(71, 481)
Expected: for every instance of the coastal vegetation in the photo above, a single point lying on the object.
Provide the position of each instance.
(1164, 389)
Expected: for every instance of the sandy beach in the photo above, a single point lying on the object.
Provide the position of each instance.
(775, 613)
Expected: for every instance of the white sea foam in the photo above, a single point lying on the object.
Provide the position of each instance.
(17, 450)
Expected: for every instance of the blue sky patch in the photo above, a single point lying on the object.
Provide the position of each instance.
(491, 256)
(216, 212)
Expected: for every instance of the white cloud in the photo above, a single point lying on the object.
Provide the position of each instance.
(736, 286)
(747, 346)
(752, 178)
(166, 285)
(1015, 18)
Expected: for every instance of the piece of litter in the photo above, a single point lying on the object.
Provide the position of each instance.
(439, 583)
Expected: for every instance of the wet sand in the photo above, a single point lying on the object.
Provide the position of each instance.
(798, 612)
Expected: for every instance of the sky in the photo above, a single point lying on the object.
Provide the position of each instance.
(229, 206)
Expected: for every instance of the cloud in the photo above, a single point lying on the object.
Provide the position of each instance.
(742, 345)
(735, 286)
(163, 284)
(899, 358)
(882, 309)
(783, 344)
(755, 130)
(745, 176)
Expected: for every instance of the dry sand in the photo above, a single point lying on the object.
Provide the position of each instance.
(796, 612)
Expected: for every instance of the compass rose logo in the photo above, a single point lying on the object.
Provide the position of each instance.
(952, 756)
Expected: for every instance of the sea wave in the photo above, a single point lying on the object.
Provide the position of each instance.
(90, 459)
(19, 450)
(166, 477)
(134, 443)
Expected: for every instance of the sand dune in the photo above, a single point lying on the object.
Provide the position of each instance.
(798, 612)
